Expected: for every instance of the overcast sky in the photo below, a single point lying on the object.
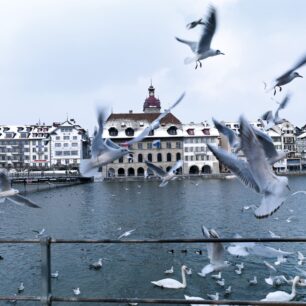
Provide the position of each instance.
(67, 56)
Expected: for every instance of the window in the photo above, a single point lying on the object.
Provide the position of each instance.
(178, 144)
(172, 130)
(66, 153)
(74, 152)
(74, 144)
(57, 144)
(159, 157)
(149, 145)
(113, 131)
(34, 156)
(75, 137)
(190, 131)
(169, 157)
(46, 156)
(66, 137)
(139, 146)
(58, 153)
(66, 145)
(140, 158)
(168, 145)
(178, 156)
(57, 137)
(150, 157)
(33, 149)
(186, 149)
(129, 132)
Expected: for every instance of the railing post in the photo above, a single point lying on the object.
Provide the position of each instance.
(45, 244)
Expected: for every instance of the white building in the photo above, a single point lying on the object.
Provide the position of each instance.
(69, 143)
(198, 159)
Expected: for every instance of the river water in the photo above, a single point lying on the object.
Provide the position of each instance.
(107, 209)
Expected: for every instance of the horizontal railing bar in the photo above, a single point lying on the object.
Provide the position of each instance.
(187, 240)
(20, 298)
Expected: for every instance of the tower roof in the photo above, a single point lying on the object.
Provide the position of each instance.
(151, 102)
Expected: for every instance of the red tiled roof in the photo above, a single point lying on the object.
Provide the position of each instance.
(151, 101)
(150, 117)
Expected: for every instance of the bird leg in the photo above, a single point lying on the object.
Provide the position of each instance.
(200, 64)
(274, 91)
(196, 65)
(280, 88)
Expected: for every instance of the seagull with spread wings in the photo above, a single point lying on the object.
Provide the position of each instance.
(11, 194)
(165, 176)
(202, 49)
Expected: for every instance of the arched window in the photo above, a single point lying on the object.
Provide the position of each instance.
(121, 172)
(194, 170)
(140, 159)
(172, 130)
(159, 157)
(150, 157)
(129, 132)
(178, 156)
(111, 172)
(169, 157)
(140, 171)
(113, 131)
(206, 169)
(131, 172)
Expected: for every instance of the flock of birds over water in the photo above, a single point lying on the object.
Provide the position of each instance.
(254, 171)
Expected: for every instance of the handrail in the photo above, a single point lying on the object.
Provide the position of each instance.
(47, 298)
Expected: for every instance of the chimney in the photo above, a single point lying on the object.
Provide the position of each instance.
(130, 111)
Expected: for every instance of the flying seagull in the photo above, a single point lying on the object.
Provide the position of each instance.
(103, 151)
(215, 252)
(11, 194)
(165, 176)
(202, 49)
(127, 233)
(289, 75)
(155, 124)
(256, 172)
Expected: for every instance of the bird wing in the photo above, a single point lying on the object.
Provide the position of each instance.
(160, 172)
(5, 183)
(299, 64)
(266, 143)
(255, 155)
(270, 203)
(208, 31)
(140, 137)
(192, 44)
(237, 166)
(98, 145)
(229, 133)
(267, 116)
(282, 105)
(110, 144)
(176, 166)
(20, 200)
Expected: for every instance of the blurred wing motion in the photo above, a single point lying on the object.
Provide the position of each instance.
(160, 172)
(20, 200)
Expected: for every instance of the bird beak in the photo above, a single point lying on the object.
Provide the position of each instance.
(222, 53)
(300, 76)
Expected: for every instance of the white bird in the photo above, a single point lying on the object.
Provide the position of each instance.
(280, 259)
(214, 297)
(301, 258)
(269, 266)
(221, 282)
(297, 192)
(127, 233)
(202, 48)
(169, 271)
(238, 271)
(216, 276)
(274, 120)
(282, 296)
(155, 124)
(96, 265)
(274, 235)
(215, 252)
(276, 280)
(39, 233)
(76, 291)
(290, 219)
(55, 274)
(240, 266)
(289, 75)
(253, 281)
(228, 290)
(196, 298)
(195, 23)
(11, 194)
(172, 283)
(165, 176)
(256, 173)
(103, 151)
(21, 287)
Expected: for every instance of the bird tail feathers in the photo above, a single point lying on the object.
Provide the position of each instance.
(189, 60)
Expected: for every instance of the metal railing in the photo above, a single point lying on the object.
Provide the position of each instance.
(46, 298)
